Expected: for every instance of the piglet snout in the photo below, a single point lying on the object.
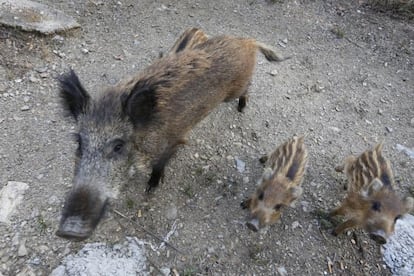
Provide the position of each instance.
(378, 236)
(253, 224)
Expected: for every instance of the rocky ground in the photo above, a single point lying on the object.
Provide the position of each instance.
(348, 85)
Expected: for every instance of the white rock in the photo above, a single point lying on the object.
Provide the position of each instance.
(103, 259)
(22, 251)
(408, 151)
(10, 196)
(398, 252)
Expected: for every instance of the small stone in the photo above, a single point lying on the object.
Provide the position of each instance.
(33, 79)
(41, 69)
(44, 75)
(84, 51)
(22, 251)
(58, 38)
(245, 179)
(26, 99)
(25, 108)
(285, 40)
(240, 165)
(295, 225)
(171, 213)
(282, 271)
(389, 129)
(273, 72)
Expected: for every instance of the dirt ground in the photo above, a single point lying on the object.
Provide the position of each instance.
(348, 85)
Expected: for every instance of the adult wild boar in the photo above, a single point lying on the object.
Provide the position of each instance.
(144, 119)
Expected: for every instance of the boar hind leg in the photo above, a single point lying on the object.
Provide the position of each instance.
(343, 226)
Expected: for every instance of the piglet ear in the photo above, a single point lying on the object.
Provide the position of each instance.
(375, 186)
(408, 204)
(296, 191)
(140, 103)
(267, 174)
(74, 97)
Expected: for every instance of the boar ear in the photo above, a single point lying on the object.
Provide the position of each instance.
(74, 97)
(140, 103)
(375, 186)
(408, 204)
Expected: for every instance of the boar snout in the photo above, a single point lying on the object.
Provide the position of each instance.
(253, 224)
(379, 236)
(82, 212)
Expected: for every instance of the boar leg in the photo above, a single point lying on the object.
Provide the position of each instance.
(159, 167)
(339, 211)
(242, 102)
(343, 226)
(245, 203)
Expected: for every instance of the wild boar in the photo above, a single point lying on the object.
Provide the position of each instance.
(143, 120)
(280, 184)
(371, 202)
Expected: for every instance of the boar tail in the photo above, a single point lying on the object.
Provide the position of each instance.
(269, 53)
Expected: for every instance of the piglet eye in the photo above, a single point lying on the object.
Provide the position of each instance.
(118, 146)
(376, 206)
(261, 196)
(277, 207)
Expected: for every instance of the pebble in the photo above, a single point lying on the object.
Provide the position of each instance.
(25, 108)
(273, 72)
(33, 79)
(282, 271)
(22, 251)
(240, 165)
(84, 51)
(41, 69)
(389, 129)
(171, 212)
(295, 225)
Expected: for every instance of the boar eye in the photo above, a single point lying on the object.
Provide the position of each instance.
(277, 207)
(376, 206)
(261, 195)
(118, 146)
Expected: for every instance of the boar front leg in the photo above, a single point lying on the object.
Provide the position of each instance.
(351, 223)
(159, 166)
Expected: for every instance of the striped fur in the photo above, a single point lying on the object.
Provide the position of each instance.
(188, 40)
(280, 183)
(371, 202)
